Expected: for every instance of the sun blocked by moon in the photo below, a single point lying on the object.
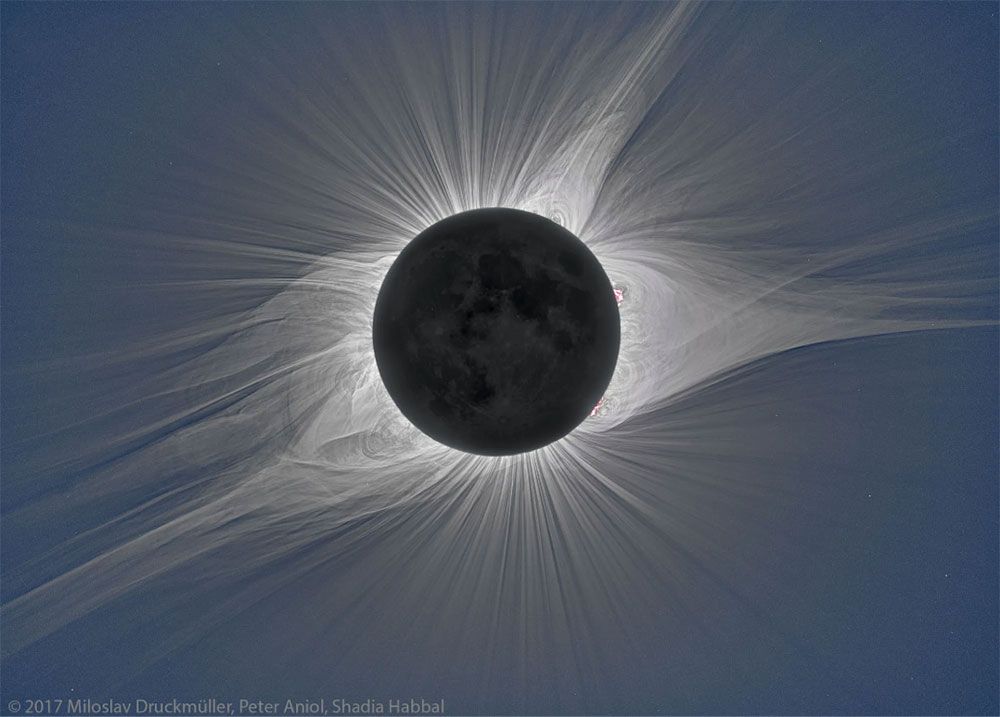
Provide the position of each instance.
(496, 331)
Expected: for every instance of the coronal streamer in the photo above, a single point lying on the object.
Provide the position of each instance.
(740, 217)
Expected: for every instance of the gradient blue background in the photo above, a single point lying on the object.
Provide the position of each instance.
(893, 479)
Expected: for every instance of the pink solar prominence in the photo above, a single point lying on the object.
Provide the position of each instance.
(619, 293)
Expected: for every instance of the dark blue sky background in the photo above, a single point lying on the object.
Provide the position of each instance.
(862, 580)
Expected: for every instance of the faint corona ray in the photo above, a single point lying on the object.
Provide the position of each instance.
(599, 126)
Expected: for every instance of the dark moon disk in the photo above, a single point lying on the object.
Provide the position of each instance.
(496, 331)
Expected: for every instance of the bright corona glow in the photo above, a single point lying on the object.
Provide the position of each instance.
(267, 450)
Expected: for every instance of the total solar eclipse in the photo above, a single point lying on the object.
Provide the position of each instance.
(496, 331)
(306, 333)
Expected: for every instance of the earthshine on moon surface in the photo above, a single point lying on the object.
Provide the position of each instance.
(313, 383)
(496, 331)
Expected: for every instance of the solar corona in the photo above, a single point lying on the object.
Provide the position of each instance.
(503, 358)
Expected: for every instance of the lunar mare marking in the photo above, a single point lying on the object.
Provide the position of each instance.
(495, 331)
(749, 204)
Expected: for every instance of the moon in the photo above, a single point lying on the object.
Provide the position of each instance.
(496, 331)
